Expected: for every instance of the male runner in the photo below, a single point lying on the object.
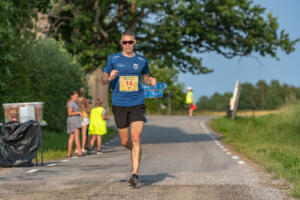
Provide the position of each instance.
(124, 71)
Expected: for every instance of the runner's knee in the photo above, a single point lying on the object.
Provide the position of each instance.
(125, 142)
(136, 139)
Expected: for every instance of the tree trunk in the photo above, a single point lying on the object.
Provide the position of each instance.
(97, 89)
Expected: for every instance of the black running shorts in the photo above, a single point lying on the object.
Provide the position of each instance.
(125, 115)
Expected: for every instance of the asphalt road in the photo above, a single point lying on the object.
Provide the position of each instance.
(181, 160)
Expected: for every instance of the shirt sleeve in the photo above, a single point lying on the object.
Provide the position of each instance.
(146, 68)
(108, 66)
(70, 104)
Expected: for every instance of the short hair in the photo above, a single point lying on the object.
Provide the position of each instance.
(129, 33)
(98, 102)
(81, 92)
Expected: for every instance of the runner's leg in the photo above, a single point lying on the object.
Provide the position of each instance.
(136, 131)
(124, 137)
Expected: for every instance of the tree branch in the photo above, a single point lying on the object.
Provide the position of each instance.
(96, 20)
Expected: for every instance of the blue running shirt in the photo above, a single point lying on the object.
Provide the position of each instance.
(126, 86)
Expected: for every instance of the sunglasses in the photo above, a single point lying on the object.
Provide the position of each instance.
(130, 42)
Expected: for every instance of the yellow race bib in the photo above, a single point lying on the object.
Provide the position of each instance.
(129, 83)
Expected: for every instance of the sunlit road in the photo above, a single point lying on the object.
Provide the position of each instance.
(181, 160)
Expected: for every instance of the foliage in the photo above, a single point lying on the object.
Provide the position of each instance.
(271, 140)
(44, 72)
(170, 33)
(169, 76)
(56, 144)
(261, 96)
(15, 25)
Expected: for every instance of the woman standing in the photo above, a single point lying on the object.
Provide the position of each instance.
(73, 123)
(84, 106)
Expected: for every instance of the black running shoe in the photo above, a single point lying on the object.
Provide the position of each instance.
(134, 180)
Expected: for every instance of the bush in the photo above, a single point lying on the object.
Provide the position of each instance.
(45, 72)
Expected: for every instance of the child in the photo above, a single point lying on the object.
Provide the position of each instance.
(97, 126)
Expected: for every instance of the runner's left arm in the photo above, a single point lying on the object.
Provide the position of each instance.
(149, 80)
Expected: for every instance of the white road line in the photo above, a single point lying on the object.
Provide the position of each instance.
(241, 162)
(235, 157)
(51, 165)
(222, 147)
(219, 144)
(32, 171)
(228, 153)
(224, 150)
(75, 157)
(64, 161)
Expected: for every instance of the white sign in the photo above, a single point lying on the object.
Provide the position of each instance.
(235, 99)
(27, 113)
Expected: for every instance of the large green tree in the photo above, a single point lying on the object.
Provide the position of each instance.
(171, 32)
(16, 26)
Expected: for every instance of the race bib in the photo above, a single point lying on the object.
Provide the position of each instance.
(129, 83)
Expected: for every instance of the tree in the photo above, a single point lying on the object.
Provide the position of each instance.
(45, 72)
(203, 103)
(171, 33)
(169, 76)
(15, 27)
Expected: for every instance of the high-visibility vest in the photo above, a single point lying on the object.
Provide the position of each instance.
(97, 124)
(189, 98)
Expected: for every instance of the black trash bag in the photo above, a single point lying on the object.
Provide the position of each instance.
(19, 143)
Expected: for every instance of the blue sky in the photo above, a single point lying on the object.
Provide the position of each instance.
(227, 71)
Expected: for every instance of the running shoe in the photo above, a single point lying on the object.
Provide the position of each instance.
(84, 151)
(133, 180)
(99, 153)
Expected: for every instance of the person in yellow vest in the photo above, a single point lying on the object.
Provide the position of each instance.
(189, 99)
(97, 126)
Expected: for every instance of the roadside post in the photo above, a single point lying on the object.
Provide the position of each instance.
(155, 92)
(235, 99)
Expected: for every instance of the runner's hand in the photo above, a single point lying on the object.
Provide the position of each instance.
(152, 81)
(113, 74)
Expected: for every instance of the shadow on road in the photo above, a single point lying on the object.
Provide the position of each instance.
(158, 134)
(150, 179)
(147, 180)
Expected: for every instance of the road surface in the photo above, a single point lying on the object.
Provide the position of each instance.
(181, 160)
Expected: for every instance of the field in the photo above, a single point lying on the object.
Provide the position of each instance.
(244, 113)
(272, 140)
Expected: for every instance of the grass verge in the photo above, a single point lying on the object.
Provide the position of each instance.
(272, 141)
(56, 144)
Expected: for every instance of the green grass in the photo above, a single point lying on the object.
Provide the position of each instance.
(271, 140)
(55, 144)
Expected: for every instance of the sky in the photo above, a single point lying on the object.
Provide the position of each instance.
(227, 71)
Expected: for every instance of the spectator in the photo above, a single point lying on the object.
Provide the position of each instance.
(73, 124)
(190, 101)
(97, 126)
(84, 108)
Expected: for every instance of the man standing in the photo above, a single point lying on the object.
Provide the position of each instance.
(189, 99)
(124, 71)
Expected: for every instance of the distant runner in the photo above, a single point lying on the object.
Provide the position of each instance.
(124, 71)
(189, 99)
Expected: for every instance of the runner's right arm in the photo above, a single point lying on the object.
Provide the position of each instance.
(107, 78)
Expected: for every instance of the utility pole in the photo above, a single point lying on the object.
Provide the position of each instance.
(169, 103)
